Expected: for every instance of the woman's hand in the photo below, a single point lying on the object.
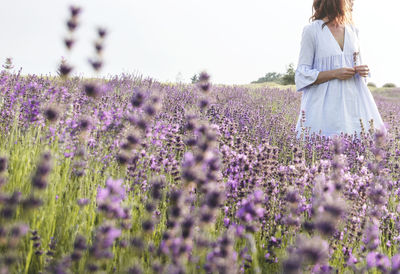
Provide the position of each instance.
(344, 73)
(363, 70)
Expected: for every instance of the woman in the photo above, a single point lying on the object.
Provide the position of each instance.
(331, 74)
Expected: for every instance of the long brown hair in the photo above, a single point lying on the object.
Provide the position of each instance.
(339, 11)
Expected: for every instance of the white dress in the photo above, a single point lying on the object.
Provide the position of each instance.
(337, 105)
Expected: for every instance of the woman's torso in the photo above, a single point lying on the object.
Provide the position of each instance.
(328, 54)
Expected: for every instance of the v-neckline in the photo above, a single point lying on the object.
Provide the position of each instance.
(337, 43)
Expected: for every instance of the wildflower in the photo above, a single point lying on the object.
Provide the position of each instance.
(226, 222)
(68, 42)
(213, 199)
(371, 237)
(8, 64)
(122, 159)
(31, 202)
(3, 164)
(326, 227)
(203, 103)
(133, 139)
(91, 90)
(64, 69)
(175, 211)
(84, 124)
(314, 250)
(19, 230)
(191, 142)
(157, 185)
(250, 209)
(80, 243)
(51, 114)
(396, 262)
(137, 242)
(187, 225)
(203, 81)
(336, 210)
(75, 11)
(83, 202)
(149, 207)
(14, 199)
(174, 196)
(135, 270)
(291, 265)
(204, 76)
(99, 47)
(72, 25)
(378, 194)
(39, 180)
(375, 259)
(141, 124)
(76, 255)
(104, 239)
(292, 197)
(109, 198)
(96, 64)
(147, 225)
(110, 234)
(137, 99)
(101, 32)
(150, 110)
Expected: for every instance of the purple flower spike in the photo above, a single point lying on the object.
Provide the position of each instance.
(3, 164)
(96, 64)
(396, 262)
(75, 11)
(109, 199)
(375, 259)
(101, 32)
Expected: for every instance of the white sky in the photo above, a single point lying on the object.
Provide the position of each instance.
(235, 41)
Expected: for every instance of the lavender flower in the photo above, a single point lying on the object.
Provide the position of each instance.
(3, 164)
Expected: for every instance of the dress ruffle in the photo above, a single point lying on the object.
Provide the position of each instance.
(305, 76)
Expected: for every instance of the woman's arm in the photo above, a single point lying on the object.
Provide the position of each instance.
(341, 74)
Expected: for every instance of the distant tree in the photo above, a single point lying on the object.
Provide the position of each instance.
(284, 79)
(269, 77)
(194, 79)
(389, 85)
(370, 84)
(288, 78)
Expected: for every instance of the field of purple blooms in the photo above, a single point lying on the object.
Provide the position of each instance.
(129, 175)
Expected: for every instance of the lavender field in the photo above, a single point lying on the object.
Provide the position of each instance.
(129, 175)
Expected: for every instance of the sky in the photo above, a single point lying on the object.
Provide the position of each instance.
(235, 41)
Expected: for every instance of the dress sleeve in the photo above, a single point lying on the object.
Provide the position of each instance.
(305, 74)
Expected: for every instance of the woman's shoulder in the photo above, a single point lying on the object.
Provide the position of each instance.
(311, 28)
(354, 28)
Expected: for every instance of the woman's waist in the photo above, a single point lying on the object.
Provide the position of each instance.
(334, 62)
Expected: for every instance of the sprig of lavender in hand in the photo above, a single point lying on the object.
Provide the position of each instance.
(356, 55)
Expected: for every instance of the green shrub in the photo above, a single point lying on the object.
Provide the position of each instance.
(389, 85)
(288, 78)
(269, 77)
(279, 78)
